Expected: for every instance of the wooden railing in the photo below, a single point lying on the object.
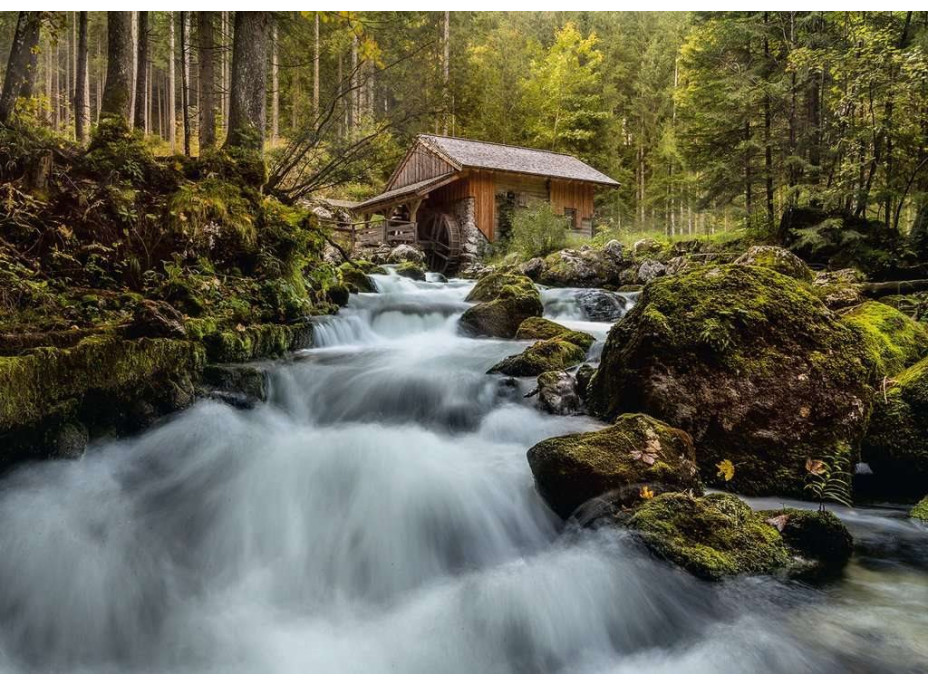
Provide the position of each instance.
(377, 231)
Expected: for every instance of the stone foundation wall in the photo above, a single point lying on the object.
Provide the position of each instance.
(473, 242)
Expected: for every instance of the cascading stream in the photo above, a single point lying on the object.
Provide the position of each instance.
(378, 514)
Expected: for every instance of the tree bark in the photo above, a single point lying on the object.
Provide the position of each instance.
(184, 74)
(316, 71)
(22, 65)
(141, 79)
(446, 68)
(247, 107)
(275, 86)
(117, 91)
(172, 85)
(207, 42)
(82, 83)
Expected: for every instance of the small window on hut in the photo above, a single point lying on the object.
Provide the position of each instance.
(571, 214)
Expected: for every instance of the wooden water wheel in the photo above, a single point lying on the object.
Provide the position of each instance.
(440, 238)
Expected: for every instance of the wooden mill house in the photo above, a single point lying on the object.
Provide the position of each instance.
(449, 196)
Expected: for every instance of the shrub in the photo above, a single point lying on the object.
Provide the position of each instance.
(537, 231)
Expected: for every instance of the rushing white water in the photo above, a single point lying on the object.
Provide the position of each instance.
(378, 514)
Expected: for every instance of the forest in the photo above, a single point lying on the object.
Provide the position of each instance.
(406, 341)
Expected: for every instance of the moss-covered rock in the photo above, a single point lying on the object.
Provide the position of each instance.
(747, 361)
(355, 279)
(586, 268)
(501, 285)
(411, 270)
(238, 384)
(557, 393)
(636, 453)
(504, 301)
(894, 340)
(819, 540)
(544, 329)
(839, 289)
(712, 537)
(896, 445)
(778, 259)
(257, 341)
(544, 356)
(920, 511)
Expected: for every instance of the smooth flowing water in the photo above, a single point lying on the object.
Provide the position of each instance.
(378, 514)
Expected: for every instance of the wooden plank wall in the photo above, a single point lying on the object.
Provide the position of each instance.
(573, 194)
(420, 165)
(482, 186)
(526, 187)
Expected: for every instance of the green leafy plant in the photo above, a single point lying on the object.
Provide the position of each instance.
(538, 231)
(829, 482)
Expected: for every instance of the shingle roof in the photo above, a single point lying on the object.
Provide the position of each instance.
(418, 188)
(510, 158)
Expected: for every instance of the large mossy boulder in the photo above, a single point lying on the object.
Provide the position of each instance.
(504, 301)
(585, 268)
(636, 456)
(552, 355)
(539, 328)
(750, 364)
(712, 537)
(778, 259)
(896, 445)
(894, 340)
(920, 511)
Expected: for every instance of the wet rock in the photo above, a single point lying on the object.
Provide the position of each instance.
(532, 268)
(557, 393)
(355, 280)
(778, 259)
(70, 441)
(635, 457)
(406, 253)
(650, 270)
(411, 270)
(544, 329)
(237, 384)
(602, 306)
(677, 264)
(747, 361)
(338, 293)
(544, 356)
(504, 301)
(711, 537)
(580, 269)
(584, 375)
(156, 319)
(896, 445)
(819, 540)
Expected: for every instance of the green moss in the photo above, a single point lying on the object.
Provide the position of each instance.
(750, 363)
(552, 355)
(896, 445)
(777, 259)
(501, 285)
(200, 210)
(355, 279)
(893, 340)
(411, 270)
(712, 537)
(500, 318)
(636, 451)
(920, 511)
(33, 385)
(544, 329)
(255, 342)
(819, 539)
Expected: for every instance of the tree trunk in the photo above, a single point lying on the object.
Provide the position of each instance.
(275, 86)
(207, 42)
(249, 80)
(82, 83)
(117, 92)
(316, 72)
(446, 68)
(768, 145)
(184, 77)
(141, 79)
(172, 85)
(22, 65)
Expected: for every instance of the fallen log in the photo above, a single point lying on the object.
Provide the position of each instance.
(878, 289)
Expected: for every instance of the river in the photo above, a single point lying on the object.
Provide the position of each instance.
(378, 515)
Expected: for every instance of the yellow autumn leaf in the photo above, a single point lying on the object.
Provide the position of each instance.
(726, 469)
(816, 467)
(646, 493)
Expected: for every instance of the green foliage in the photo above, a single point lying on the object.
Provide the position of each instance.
(893, 340)
(829, 480)
(538, 231)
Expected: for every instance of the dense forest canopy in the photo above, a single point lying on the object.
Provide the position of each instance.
(708, 119)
